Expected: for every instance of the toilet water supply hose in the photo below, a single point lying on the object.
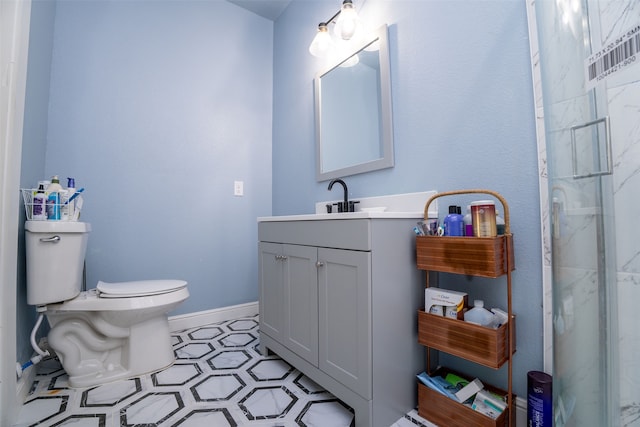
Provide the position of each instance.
(41, 353)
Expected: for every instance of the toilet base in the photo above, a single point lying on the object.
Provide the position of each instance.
(93, 351)
(104, 377)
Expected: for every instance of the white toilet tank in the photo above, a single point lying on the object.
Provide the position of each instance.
(55, 259)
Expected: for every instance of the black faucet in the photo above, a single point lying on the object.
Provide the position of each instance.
(344, 206)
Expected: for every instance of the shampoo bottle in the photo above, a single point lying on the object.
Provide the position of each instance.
(53, 201)
(453, 223)
(39, 204)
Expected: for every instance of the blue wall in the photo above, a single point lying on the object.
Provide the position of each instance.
(463, 118)
(156, 108)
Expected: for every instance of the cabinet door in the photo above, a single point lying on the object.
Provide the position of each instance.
(344, 281)
(270, 267)
(301, 301)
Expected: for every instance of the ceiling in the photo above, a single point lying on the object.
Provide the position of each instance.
(270, 9)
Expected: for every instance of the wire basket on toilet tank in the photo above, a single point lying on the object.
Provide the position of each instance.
(42, 205)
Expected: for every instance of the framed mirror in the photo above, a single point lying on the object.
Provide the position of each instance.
(354, 126)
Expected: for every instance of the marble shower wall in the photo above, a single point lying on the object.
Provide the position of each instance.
(619, 96)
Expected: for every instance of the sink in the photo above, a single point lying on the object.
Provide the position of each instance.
(408, 205)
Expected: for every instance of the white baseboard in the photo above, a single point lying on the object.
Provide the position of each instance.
(181, 322)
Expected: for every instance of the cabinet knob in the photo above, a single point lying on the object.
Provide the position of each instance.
(319, 264)
(281, 257)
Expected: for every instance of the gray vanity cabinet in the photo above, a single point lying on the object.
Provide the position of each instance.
(338, 300)
(289, 297)
(316, 302)
(344, 300)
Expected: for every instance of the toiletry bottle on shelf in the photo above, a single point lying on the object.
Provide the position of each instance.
(483, 216)
(453, 223)
(39, 204)
(67, 205)
(53, 200)
(468, 223)
(500, 226)
(478, 314)
(54, 186)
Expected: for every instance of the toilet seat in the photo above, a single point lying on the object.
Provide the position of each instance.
(139, 288)
(91, 300)
(125, 296)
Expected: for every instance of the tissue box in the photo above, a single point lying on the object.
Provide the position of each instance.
(453, 302)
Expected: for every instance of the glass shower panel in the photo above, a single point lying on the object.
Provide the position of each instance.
(579, 165)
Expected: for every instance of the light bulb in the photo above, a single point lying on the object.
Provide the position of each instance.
(322, 43)
(348, 23)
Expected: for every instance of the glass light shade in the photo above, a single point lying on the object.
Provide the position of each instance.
(348, 23)
(322, 43)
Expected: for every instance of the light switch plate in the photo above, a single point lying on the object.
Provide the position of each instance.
(238, 188)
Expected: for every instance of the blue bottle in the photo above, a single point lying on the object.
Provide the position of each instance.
(454, 222)
(53, 200)
(53, 206)
(539, 399)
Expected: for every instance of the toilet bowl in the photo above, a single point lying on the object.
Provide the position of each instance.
(114, 331)
(101, 337)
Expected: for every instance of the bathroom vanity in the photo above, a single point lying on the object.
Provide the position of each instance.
(339, 295)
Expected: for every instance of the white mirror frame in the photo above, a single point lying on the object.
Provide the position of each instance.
(386, 119)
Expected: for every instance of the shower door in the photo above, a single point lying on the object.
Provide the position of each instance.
(581, 212)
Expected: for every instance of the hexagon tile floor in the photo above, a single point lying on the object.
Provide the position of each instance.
(219, 379)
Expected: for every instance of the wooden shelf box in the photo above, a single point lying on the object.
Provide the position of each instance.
(477, 256)
(479, 344)
(444, 411)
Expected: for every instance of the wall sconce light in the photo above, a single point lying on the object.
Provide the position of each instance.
(348, 27)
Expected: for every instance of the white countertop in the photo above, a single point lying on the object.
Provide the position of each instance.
(344, 215)
(409, 205)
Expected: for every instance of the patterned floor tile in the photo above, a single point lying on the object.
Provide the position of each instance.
(219, 379)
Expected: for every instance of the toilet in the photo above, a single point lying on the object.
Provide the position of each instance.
(114, 331)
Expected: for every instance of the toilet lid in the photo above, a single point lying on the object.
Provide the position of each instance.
(138, 288)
